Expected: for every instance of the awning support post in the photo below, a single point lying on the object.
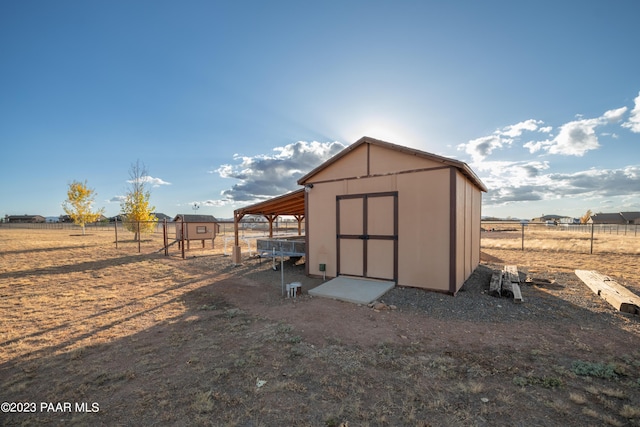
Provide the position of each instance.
(236, 254)
(271, 218)
(299, 218)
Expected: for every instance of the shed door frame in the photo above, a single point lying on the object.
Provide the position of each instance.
(365, 237)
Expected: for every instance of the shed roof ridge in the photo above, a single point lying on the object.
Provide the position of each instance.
(196, 217)
(408, 150)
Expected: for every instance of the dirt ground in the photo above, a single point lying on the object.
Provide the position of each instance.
(143, 339)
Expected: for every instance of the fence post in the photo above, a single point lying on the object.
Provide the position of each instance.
(182, 238)
(591, 252)
(523, 236)
(165, 238)
(139, 237)
(116, 228)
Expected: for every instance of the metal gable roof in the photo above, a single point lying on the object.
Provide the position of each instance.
(612, 218)
(195, 218)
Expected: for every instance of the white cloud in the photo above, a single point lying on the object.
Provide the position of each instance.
(482, 147)
(531, 181)
(263, 176)
(535, 146)
(514, 181)
(216, 203)
(613, 116)
(574, 138)
(116, 199)
(577, 137)
(206, 203)
(155, 182)
(225, 171)
(517, 129)
(517, 181)
(634, 119)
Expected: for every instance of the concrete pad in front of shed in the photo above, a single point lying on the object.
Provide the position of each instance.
(352, 289)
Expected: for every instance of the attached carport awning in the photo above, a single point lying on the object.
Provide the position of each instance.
(287, 204)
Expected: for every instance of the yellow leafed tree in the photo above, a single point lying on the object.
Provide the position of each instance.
(137, 211)
(79, 204)
(584, 218)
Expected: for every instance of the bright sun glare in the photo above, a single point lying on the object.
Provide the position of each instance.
(383, 130)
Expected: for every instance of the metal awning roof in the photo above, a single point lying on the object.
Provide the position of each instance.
(287, 204)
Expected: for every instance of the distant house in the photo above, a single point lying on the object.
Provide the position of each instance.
(25, 218)
(67, 218)
(620, 218)
(631, 217)
(196, 227)
(554, 219)
(161, 217)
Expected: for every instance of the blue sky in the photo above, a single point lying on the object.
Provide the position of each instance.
(227, 103)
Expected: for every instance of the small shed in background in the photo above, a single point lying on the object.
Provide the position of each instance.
(196, 227)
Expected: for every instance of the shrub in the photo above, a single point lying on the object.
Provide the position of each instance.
(598, 370)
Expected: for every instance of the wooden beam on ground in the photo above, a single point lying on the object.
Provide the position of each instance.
(511, 273)
(517, 295)
(495, 285)
(615, 294)
(511, 283)
(507, 288)
(506, 283)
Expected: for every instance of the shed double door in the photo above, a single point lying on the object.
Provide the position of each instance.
(367, 235)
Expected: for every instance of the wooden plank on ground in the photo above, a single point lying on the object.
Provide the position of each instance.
(517, 295)
(507, 288)
(510, 277)
(495, 285)
(615, 294)
(511, 273)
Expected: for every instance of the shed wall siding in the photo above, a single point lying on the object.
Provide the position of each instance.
(467, 229)
(423, 260)
(191, 230)
(353, 164)
(321, 226)
(476, 217)
(384, 161)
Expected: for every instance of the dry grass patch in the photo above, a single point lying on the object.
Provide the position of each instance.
(160, 340)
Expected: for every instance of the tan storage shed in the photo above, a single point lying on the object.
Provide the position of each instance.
(196, 227)
(383, 211)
